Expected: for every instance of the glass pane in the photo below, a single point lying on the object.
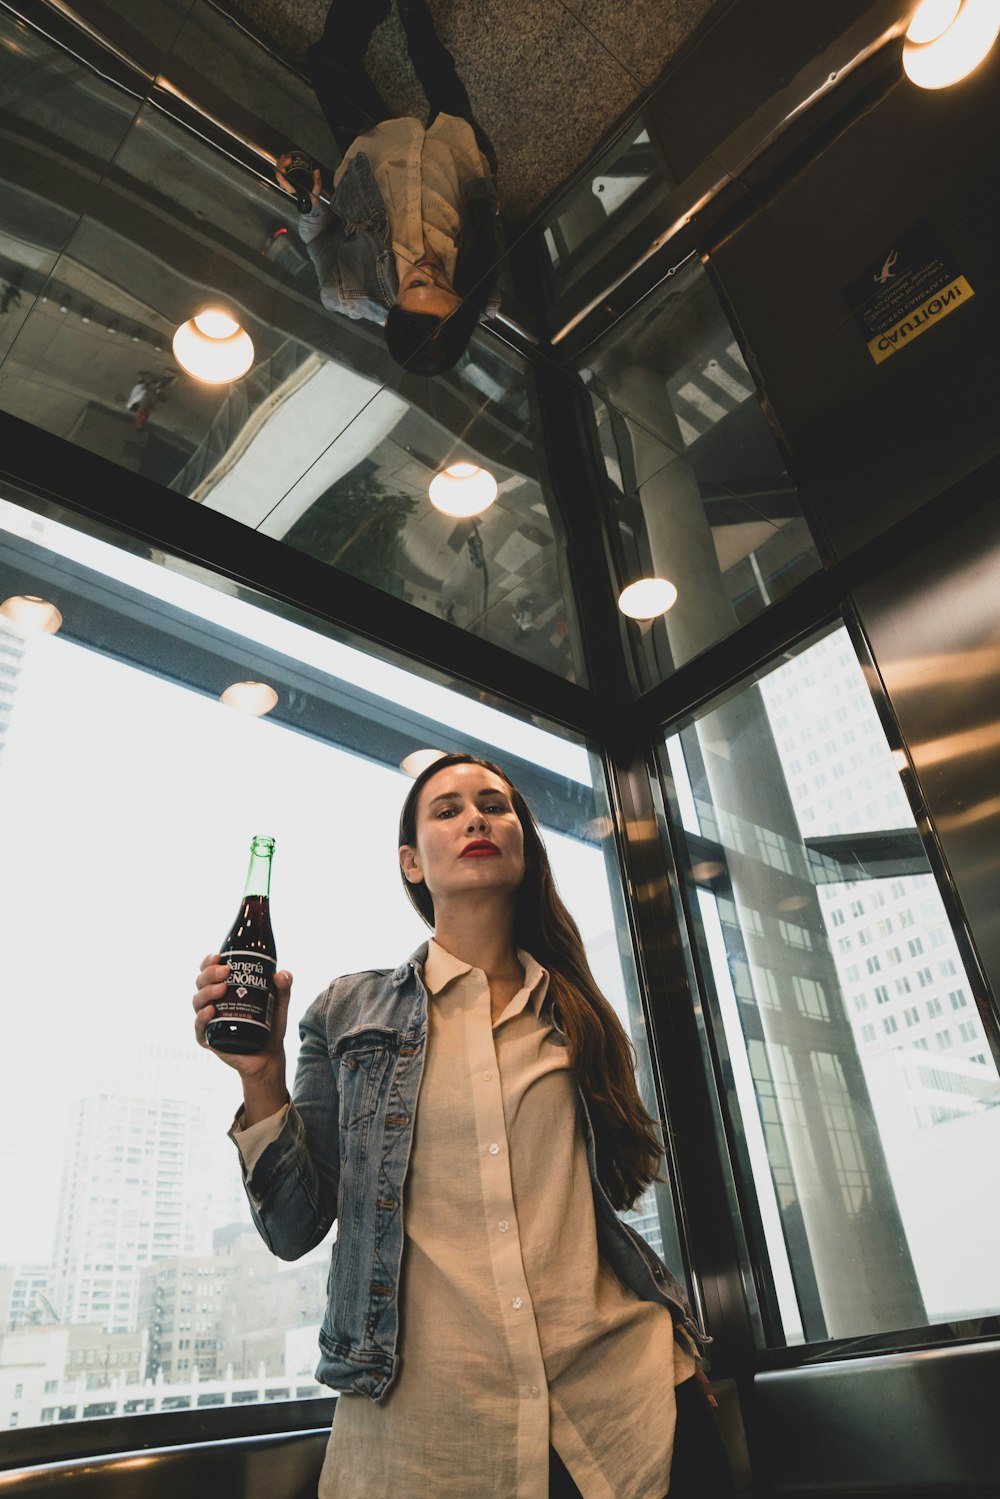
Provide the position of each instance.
(325, 443)
(611, 215)
(128, 796)
(861, 1074)
(64, 124)
(696, 488)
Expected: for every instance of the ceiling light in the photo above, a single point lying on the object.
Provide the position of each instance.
(794, 903)
(648, 598)
(254, 698)
(213, 347)
(930, 19)
(463, 490)
(417, 761)
(947, 39)
(29, 615)
(706, 870)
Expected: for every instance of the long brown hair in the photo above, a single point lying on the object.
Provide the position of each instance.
(601, 1054)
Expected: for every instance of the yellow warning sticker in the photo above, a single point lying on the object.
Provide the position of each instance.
(917, 321)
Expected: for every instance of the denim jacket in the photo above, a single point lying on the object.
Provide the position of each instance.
(350, 244)
(342, 1154)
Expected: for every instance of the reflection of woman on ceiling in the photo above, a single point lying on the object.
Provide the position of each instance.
(409, 238)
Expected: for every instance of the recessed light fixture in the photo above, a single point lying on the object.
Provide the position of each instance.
(947, 39)
(29, 615)
(253, 698)
(213, 347)
(462, 490)
(417, 761)
(647, 598)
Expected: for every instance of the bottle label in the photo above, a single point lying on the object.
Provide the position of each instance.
(250, 989)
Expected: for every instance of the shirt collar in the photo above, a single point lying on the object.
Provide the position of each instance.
(440, 968)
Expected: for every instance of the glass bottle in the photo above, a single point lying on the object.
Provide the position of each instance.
(243, 1017)
(299, 172)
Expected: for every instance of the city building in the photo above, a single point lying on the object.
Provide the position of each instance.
(147, 1176)
(62, 1373)
(229, 1310)
(24, 1295)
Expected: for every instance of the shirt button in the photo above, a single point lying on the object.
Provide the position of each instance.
(517, 1303)
(487, 1076)
(535, 1392)
(503, 1225)
(494, 1148)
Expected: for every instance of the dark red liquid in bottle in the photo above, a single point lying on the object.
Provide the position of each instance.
(243, 1016)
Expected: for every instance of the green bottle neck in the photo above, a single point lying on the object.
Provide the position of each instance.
(259, 873)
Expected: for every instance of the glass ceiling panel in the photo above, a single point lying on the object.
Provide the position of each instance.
(696, 487)
(325, 444)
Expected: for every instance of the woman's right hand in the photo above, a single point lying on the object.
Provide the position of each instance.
(280, 168)
(265, 1067)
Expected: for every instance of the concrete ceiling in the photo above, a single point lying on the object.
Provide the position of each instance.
(546, 77)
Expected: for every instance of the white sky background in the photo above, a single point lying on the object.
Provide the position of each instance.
(127, 806)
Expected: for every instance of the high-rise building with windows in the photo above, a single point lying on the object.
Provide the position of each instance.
(147, 1176)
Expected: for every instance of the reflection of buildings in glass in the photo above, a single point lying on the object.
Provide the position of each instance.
(899, 965)
(927, 1066)
(146, 1175)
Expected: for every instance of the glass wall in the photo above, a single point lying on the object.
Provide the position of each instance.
(125, 224)
(129, 792)
(860, 1082)
(609, 217)
(696, 488)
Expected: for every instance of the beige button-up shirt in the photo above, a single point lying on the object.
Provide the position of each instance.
(514, 1333)
(419, 173)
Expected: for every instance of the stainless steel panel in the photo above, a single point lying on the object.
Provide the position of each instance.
(901, 1424)
(933, 621)
(270, 1467)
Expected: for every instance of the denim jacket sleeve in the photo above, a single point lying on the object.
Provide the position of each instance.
(293, 1187)
(349, 244)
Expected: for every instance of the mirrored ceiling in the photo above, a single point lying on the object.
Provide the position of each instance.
(119, 223)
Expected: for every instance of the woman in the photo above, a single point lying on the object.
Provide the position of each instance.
(409, 238)
(471, 1120)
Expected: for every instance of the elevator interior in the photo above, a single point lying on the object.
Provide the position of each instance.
(785, 785)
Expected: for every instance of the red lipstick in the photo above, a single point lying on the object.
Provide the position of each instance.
(481, 849)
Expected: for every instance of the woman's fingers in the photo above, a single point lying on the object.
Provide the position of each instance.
(210, 985)
(213, 970)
